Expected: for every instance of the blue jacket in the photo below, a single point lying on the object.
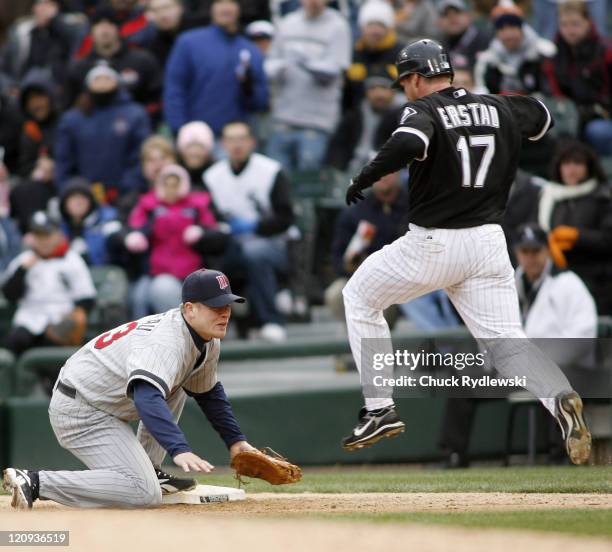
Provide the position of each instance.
(90, 236)
(201, 82)
(102, 146)
(97, 228)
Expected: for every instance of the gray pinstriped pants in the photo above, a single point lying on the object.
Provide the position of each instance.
(120, 473)
(473, 267)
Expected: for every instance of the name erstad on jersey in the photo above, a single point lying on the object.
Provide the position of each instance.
(472, 114)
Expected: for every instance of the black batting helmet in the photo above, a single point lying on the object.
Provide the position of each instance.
(426, 57)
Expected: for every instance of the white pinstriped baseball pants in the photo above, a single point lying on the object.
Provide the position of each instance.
(473, 267)
(120, 473)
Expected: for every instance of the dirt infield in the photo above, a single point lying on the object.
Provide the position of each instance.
(280, 504)
(258, 524)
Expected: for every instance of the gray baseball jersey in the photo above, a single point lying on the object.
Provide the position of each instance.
(158, 349)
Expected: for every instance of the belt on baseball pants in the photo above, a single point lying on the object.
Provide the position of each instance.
(66, 389)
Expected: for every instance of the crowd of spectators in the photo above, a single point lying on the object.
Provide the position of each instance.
(162, 136)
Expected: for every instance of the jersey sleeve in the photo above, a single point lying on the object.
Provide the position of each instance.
(206, 378)
(409, 141)
(416, 122)
(532, 116)
(156, 364)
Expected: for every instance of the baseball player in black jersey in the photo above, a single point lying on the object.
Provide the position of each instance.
(463, 151)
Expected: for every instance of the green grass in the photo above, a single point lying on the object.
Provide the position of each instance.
(597, 479)
(578, 521)
(369, 479)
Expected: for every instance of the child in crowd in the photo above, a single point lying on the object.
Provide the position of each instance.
(175, 226)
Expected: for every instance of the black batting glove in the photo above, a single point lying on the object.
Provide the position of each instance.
(353, 193)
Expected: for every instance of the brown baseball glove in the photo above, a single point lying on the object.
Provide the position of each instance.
(267, 465)
(69, 331)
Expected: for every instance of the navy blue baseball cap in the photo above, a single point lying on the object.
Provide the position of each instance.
(210, 287)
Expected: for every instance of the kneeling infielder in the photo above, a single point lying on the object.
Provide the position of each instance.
(143, 371)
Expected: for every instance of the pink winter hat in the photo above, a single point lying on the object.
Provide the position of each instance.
(180, 173)
(196, 132)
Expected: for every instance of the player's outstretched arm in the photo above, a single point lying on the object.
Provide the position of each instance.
(157, 418)
(397, 152)
(188, 461)
(216, 407)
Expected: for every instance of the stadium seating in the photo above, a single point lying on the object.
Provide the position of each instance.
(318, 184)
(565, 115)
(111, 302)
(7, 363)
(607, 166)
(6, 314)
(39, 363)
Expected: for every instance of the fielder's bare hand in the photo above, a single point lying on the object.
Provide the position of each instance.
(188, 461)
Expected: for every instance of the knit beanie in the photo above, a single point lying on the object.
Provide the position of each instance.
(377, 11)
(196, 132)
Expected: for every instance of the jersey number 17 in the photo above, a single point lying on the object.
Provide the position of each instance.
(486, 141)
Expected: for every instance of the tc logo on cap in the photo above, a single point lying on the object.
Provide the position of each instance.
(223, 281)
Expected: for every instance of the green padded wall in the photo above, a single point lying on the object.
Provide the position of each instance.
(306, 427)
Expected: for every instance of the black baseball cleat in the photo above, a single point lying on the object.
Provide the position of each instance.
(372, 427)
(23, 486)
(170, 484)
(575, 431)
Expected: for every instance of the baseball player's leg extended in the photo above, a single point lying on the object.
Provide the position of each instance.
(120, 473)
(377, 284)
(169, 483)
(488, 304)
